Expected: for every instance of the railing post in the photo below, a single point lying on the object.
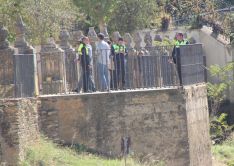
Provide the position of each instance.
(7, 80)
(52, 69)
(192, 64)
(25, 64)
(71, 66)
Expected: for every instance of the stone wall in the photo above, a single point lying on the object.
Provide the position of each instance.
(53, 74)
(18, 74)
(7, 87)
(163, 123)
(198, 125)
(222, 55)
(18, 129)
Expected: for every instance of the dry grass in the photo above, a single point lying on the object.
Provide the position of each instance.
(46, 153)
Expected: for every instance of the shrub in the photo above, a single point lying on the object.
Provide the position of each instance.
(219, 129)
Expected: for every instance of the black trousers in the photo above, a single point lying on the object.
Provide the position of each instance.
(88, 84)
(177, 61)
(119, 72)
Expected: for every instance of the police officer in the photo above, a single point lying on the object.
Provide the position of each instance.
(86, 64)
(120, 53)
(180, 41)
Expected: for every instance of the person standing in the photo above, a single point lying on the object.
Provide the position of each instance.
(103, 52)
(80, 77)
(111, 65)
(180, 41)
(120, 53)
(85, 57)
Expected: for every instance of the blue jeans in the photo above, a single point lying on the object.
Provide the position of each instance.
(103, 76)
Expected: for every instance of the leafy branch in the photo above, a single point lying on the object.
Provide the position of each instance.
(223, 80)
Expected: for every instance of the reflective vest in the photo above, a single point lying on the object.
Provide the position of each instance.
(80, 49)
(116, 48)
(122, 48)
(119, 48)
(180, 43)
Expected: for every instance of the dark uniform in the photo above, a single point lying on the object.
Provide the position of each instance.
(176, 56)
(85, 59)
(119, 61)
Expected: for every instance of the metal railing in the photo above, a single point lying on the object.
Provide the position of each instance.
(51, 72)
(25, 75)
(143, 68)
(147, 68)
(58, 73)
(192, 64)
(17, 76)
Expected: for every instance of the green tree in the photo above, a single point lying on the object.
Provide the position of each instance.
(42, 17)
(181, 8)
(47, 16)
(130, 15)
(8, 12)
(219, 128)
(216, 91)
(98, 11)
(121, 15)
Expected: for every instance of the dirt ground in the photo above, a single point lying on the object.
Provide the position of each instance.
(215, 162)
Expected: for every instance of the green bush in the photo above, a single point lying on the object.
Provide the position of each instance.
(165, 42)
(230, 163)
(216, 91)
(219, 129)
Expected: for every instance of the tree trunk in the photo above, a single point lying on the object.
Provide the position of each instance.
(101, 25)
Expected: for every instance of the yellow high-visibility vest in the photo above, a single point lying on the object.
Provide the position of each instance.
(80, 49)
(180, 43)
(119, 48)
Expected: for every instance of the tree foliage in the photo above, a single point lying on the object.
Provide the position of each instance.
(45, 17)
(48, 16)
(219, 128)
(42, 17)
(216, 91)
(184, 8)
(98, 11)
(121, 15)
(133, 14)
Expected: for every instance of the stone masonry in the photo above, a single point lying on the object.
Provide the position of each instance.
(18, 129)
(72, 68)
(53, 71)
(20, 42)
(7, 88)
(18, 74)
(198, 125)
(169, 124)
(25, 63)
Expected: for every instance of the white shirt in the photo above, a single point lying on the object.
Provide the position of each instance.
(103, 52)
(90, 53)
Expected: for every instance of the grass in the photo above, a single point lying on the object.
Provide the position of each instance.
(225, 152)
(46, 153)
